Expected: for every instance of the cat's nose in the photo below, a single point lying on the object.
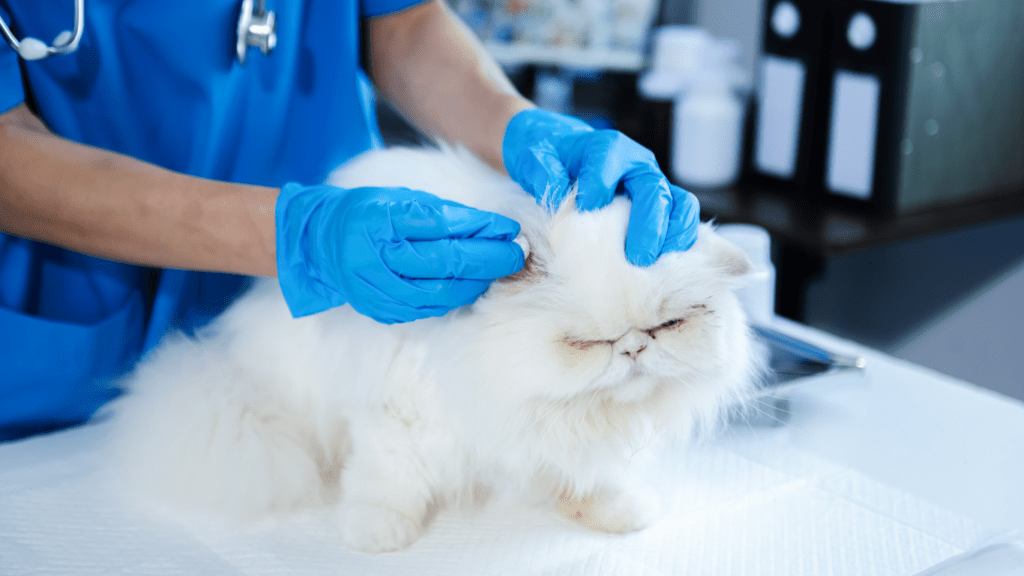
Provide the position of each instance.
(632, 344)
(634, 353)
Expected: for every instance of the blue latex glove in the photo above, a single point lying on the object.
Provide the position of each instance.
(544, 152)
(394, 254)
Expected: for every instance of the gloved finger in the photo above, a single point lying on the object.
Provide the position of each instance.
(467, 258)
(437, 294)
(394, 299)
(596, 185)
(543, 175)
(608, 161)
(453, 292)
(648, 217)
(682, 224)
(439, 219)
(599, 173)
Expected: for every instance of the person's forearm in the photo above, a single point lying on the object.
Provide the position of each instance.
(428, 64)
(109, 205)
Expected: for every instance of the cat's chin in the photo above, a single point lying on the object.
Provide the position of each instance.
(636, 388)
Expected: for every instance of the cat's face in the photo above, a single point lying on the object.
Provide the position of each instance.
(579, 334)
(580, 320)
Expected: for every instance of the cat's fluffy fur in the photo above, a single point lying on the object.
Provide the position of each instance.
(550, 381)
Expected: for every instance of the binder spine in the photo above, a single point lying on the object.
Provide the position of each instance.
(788, 92)
(865, 80)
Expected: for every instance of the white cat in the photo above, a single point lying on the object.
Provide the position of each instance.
(550, 381)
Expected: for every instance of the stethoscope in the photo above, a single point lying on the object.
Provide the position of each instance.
(33, 48)
(256, 27)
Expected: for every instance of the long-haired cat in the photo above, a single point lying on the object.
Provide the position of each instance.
(550, 382)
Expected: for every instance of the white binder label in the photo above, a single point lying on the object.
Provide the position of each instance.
(778, 121)
(851, 141)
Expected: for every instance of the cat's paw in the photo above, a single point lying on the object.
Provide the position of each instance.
(373, 528)
(628, 511)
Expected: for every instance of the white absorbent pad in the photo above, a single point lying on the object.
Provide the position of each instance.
(728, 510)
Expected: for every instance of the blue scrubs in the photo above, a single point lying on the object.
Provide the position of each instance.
(159, 81)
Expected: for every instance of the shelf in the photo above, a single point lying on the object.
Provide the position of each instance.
(605, 59)
(828, 231)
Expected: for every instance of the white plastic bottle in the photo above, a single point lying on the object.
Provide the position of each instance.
(675, 54)
(707, 131)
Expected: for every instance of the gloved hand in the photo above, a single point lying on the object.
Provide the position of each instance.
(394, 254)
(544, 152)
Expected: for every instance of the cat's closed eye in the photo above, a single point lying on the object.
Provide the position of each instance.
(673, 323)
(583, 344)
(677, 322)
(669, 324)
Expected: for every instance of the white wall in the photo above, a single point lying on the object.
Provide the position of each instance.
(737, 19)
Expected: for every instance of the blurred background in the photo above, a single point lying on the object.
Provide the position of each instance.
(880, 144)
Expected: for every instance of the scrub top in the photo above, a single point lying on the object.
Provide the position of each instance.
(159, 81)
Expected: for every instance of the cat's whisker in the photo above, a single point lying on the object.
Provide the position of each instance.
(785, 422)
(756, 405)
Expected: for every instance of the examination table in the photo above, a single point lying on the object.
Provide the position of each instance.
(889, 470)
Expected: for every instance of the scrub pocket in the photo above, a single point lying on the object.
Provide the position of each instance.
(60, 373)
(69, 326)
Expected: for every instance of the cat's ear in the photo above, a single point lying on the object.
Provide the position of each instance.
(726, 257)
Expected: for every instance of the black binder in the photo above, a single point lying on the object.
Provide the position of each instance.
(904, 105)
(789, 93)
(864, 84)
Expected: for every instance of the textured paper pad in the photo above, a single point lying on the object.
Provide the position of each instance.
(730, 509)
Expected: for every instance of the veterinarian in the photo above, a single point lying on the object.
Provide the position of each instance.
(150, 159)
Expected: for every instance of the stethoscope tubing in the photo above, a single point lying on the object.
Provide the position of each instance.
(256, 27)
(65, 43)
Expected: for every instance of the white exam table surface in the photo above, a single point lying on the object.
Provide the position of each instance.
(932, 465)
(946, 441)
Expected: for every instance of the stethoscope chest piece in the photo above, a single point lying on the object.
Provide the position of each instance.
(256, 27)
